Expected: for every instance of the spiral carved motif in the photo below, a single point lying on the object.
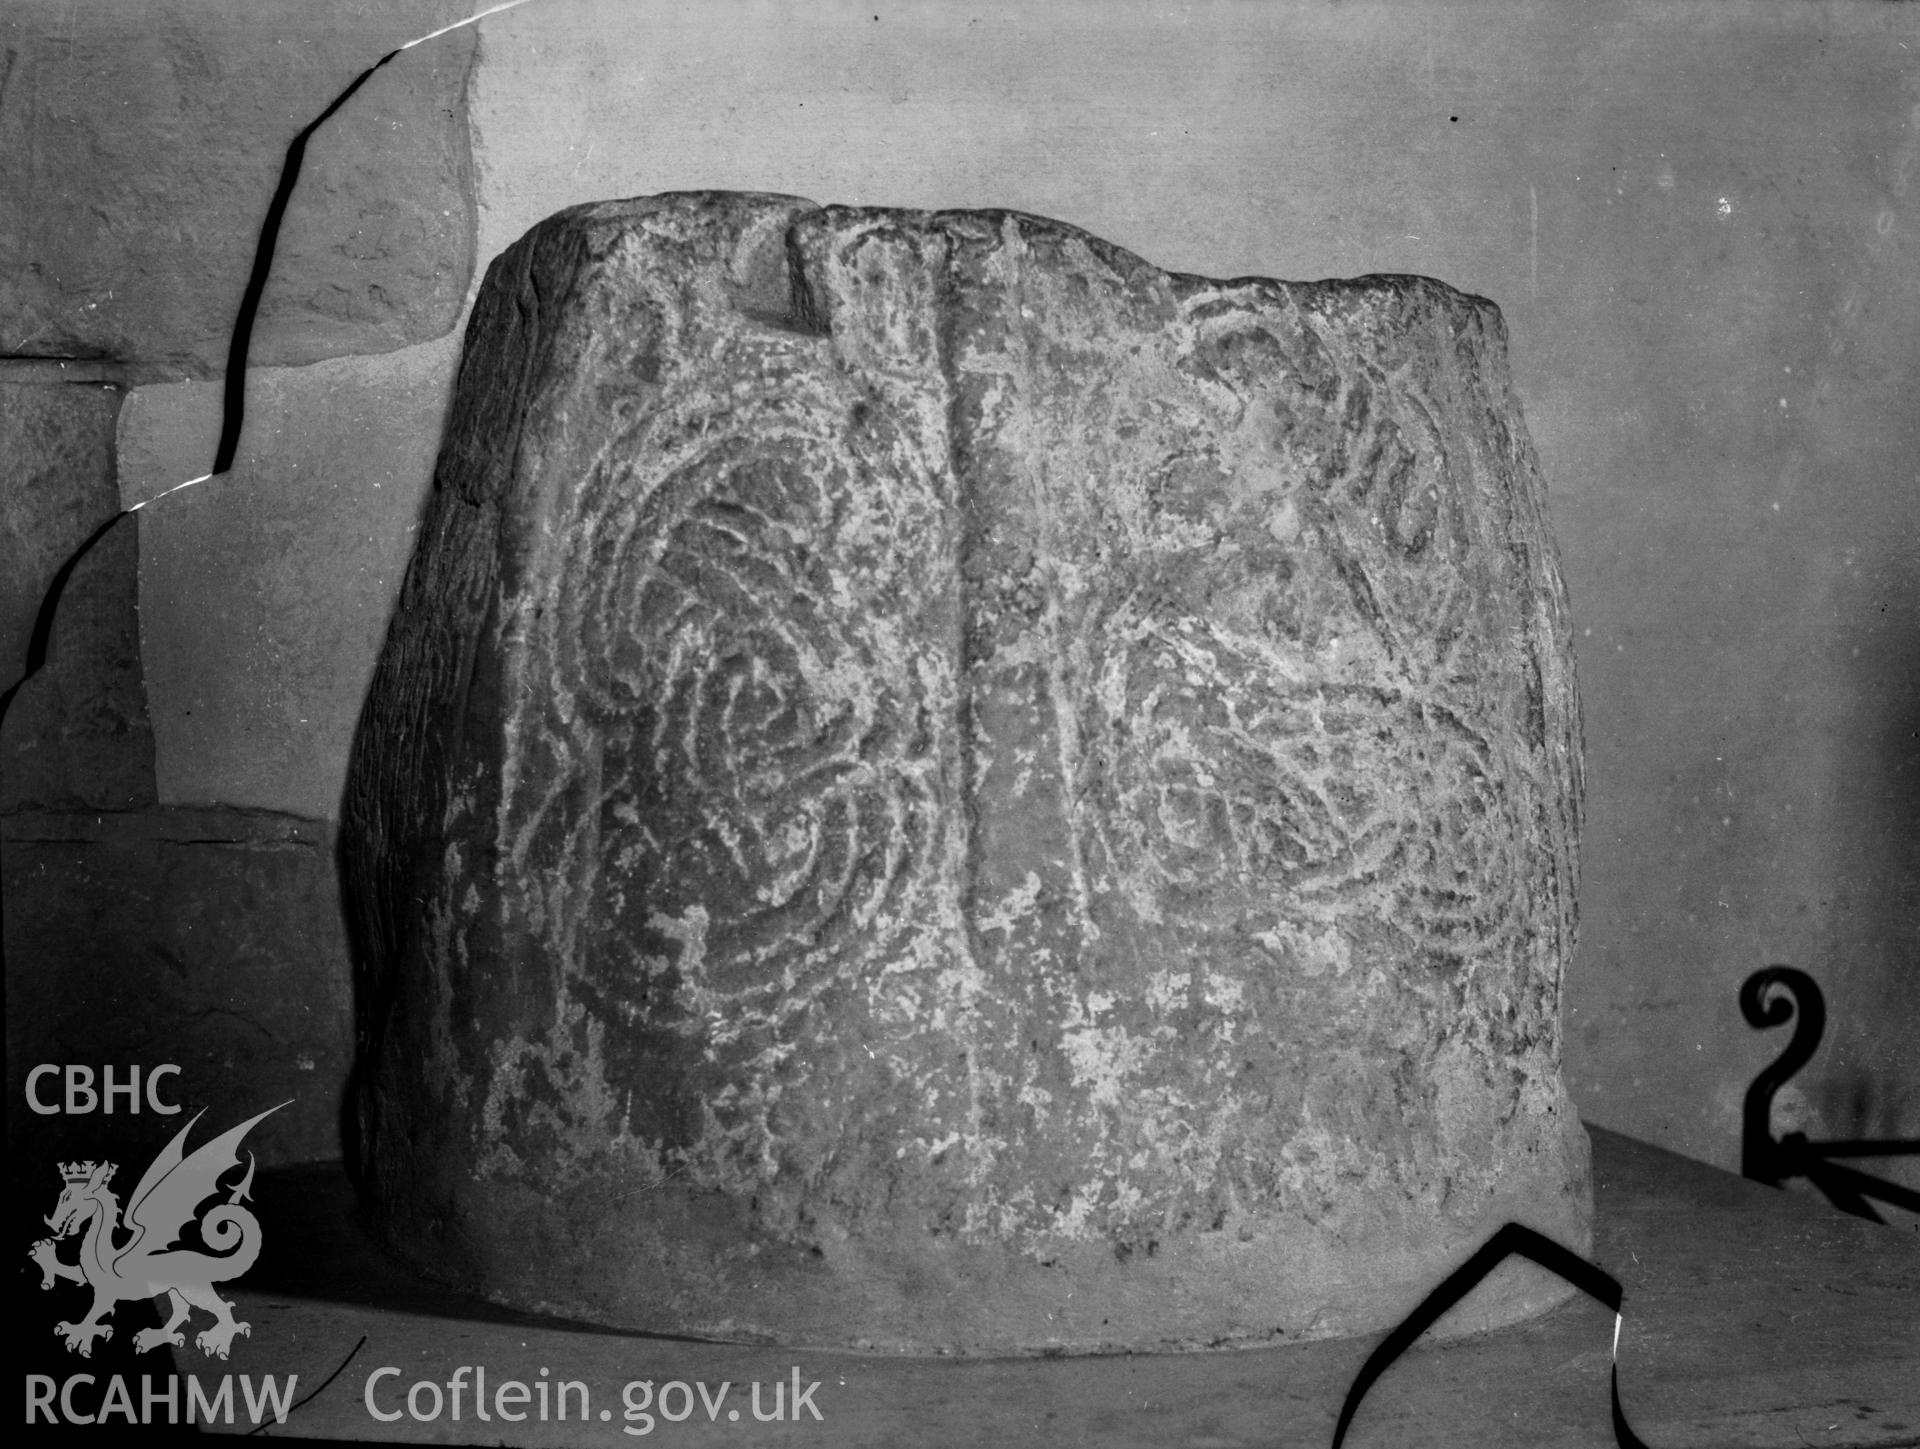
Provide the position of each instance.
(780, 786)
(1226, 778)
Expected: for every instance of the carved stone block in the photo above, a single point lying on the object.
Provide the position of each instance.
(936, 786)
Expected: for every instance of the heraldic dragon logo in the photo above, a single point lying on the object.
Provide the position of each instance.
(142, 1257)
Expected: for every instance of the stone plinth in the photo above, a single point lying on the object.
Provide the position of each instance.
(935, 786)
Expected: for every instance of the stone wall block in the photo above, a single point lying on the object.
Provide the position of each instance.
(56, 487)
(265, 592)
(77, 735)
(210, 939)
(141, 143)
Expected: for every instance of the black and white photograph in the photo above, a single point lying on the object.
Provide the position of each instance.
(969, 723)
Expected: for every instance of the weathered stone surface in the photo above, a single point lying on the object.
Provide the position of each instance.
(56, 487)
(77, 734)
(265, 593)
(936, 786)
(140, 143)
(211, 939)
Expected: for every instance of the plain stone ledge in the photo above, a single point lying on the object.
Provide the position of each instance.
(176, 825)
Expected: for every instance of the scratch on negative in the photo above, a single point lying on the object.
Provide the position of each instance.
(1533, 244)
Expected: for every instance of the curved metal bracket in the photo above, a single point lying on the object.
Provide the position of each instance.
(1767, 1159)
(1761, 1157)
